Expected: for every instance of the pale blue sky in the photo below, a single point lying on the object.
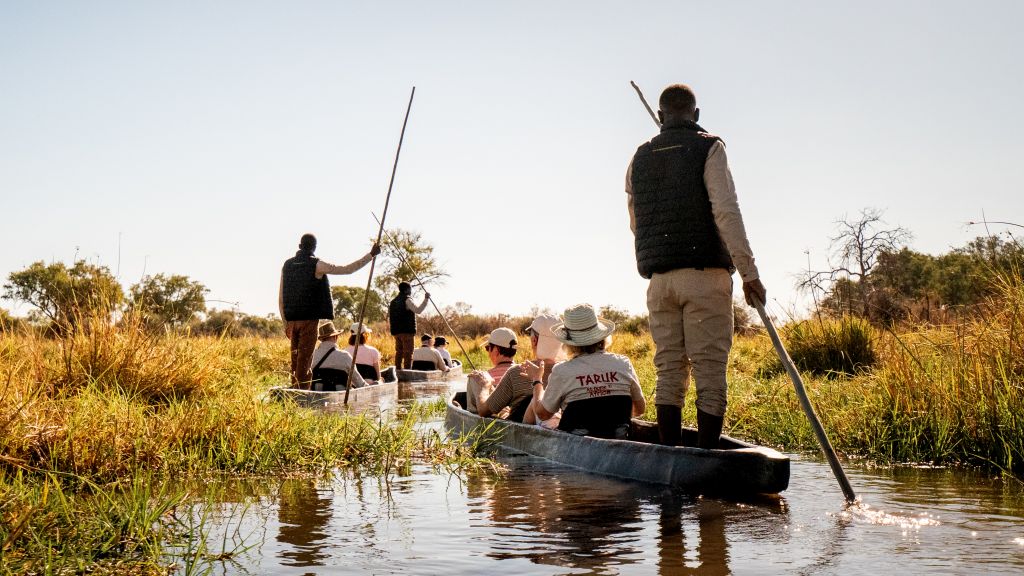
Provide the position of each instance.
(208, 136)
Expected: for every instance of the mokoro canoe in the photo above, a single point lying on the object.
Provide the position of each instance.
(735, 469)
(379, 397)
(422, 383)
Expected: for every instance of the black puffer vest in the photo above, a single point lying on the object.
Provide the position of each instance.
(305, 296)
(675, 227)
(401, 319)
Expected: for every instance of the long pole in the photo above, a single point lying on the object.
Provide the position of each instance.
(805, 403)
(434, 304)
(373, 261)
(794, 375)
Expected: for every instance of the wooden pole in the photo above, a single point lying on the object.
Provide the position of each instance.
(805, 403)
(794, 375)
(436, 309)
(373, 262)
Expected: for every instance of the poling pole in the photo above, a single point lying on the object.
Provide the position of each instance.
(373, 262)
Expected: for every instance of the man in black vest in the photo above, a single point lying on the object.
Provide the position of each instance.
(689, 239)
(402, 321)
(305, 299)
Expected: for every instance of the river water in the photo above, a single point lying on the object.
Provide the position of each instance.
(543, 518)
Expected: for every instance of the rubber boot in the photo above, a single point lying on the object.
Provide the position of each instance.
(670, 424)
(709, 428)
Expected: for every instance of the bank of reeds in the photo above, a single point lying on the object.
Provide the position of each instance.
(94, 426)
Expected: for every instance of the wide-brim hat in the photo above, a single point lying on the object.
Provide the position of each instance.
(580, 326)
(326, 330)
(355, 328)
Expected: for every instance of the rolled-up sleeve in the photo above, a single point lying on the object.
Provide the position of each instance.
(726, 210)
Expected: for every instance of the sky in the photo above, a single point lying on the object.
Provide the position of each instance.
(203, 138)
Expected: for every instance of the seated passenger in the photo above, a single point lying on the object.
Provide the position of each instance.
(597, 391)
(514, 391)
(441, 345)
(546, 349)
(501, 349)
(331, 364)
(426, 358)
(368, 357)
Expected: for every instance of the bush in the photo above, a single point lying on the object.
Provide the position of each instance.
(832, 346)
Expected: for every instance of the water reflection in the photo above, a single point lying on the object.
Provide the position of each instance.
(304, 512)
(565, 518)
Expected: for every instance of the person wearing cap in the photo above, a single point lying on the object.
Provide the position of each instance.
(441, 345)
(597, 391)
(426, 358)
(501, 350)
(328, 357)
(304, 298)
(367, 357)
(689, 238)
(514, 390)
(402, 323)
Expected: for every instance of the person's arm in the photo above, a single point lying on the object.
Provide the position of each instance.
(635, 392)
(280, 306)
(357, 378)
(629, 196)
(417, 309)
(323, 267)
(439, 362)
(726, 210)
(537, 403)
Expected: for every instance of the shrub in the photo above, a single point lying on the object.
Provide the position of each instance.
(832, 346)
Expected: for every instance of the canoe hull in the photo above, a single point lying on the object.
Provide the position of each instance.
(426, 383)
(368, 399)
(739, 469)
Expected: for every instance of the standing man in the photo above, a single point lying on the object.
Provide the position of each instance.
(689, 239)
(304, 299)
(402, 321)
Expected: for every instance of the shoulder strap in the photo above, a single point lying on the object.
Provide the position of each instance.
(329, 352)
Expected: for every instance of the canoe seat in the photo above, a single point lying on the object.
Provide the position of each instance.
(423, 365)
(367, 371)
(329, 379)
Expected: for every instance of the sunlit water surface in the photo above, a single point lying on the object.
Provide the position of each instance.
(542, 518)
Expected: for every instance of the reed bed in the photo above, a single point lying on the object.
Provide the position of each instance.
(98, 424)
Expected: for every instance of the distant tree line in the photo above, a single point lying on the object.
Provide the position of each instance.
(872, 274)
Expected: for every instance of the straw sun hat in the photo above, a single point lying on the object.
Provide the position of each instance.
(580, 326)
(326, 330)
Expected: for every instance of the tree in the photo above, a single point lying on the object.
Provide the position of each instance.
(406, 257)
(66, 296)
(856, 247)
(348, 301)
(168, 300)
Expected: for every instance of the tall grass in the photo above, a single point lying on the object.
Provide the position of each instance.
(91, 421)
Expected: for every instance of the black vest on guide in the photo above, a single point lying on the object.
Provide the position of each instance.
(305, 296)
(675, 227)
(401, 319)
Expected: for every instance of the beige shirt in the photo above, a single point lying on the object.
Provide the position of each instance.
(430, 355)
(324, 267)
(724, 206)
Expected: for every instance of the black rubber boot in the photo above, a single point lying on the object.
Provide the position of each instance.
(670, 424)
(709, 428)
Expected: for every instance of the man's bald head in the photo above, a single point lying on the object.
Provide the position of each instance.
(678, 102)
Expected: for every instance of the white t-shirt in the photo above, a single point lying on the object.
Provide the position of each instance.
(367, 354)
(590, 376)
(445, 355)
(430, 355)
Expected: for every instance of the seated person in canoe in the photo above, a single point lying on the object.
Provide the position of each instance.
(597, 392)
(426, 358)
(546, 349)
(368, 357)
(331, 364)
(512, 395)
(441, 345)
(501, 350)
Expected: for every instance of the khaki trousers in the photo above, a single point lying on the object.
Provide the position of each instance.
(303, 342)
(691, 323)
(404, 345)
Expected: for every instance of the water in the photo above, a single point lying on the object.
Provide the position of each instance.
(542, 518)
